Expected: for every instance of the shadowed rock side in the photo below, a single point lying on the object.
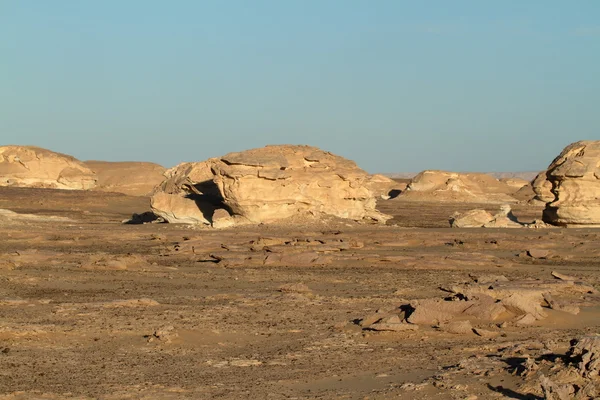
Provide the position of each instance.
(131, 178)
(265, 185)
(452, 186)
(29, 166)
(575, 179)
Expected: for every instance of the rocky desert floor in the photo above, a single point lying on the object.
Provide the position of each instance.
(93, 308)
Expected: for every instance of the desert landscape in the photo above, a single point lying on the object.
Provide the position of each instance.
(288, 272)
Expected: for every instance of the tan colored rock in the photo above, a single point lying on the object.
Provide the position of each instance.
(131, 178)
(542, 188)
(29, 166)
(458, 187)
(176, 208)
(384, 187)
(457, 327)
(266, 185)
(435, 312)
(480, 218)
(471, 219)
(575, 178)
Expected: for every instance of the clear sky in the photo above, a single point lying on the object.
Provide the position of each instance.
(394, 85)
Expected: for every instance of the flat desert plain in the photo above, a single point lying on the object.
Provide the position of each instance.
(94, 308)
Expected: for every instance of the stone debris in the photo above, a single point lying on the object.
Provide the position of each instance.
(575, 179)
(266, 185)
(563, 277)
(564, 377)
(106, 262)
(294, 288)
(165, 334)
(473, 306)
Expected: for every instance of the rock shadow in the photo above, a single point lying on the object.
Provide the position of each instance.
(207, 197)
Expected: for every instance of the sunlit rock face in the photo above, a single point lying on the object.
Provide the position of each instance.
(575, 178)
(446, 186)
(272, 183)
(131, 178)
(29, 166)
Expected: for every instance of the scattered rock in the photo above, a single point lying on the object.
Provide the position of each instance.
(563, 277)
(457, 327)
(526, 319)
(294, 288)
(164, 334)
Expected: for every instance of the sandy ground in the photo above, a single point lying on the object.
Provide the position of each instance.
(92, 308)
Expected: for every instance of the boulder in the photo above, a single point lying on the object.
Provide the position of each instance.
(458, 187)
(480, 218)
(28, 166)
(266, 185)
(131, 178)
(575, 178)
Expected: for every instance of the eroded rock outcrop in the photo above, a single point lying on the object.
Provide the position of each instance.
(575, 179)
(29, 166)
(482, 219)
(131, 178)
(452, 186)
(265, 185)
(487, 299)
(542, 188)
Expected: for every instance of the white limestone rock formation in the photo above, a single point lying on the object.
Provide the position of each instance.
(447, 186)
(575, 178)
(29, 166)
(269, 184)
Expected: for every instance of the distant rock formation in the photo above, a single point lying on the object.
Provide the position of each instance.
(266, 185)
(575, 179)
(451, 186)
(483, 219)
(131, 178)
(29, 166)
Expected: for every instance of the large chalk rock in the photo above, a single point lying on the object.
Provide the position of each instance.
(575, 178)
(28, 166)
(132, 178)
(268, 184)
(458, 187)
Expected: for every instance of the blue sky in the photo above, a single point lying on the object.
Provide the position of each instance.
(394, 85)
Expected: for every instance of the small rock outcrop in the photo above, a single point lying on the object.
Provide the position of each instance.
(482, 219)
(575, 179)
(457, 187)
(131, 178)
(265, 185)
(29, 166)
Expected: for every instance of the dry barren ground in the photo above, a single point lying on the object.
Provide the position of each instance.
(92, 308)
